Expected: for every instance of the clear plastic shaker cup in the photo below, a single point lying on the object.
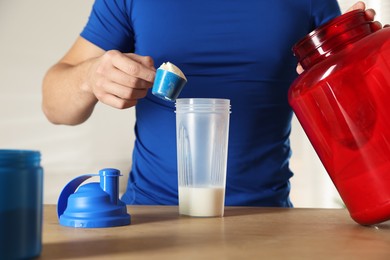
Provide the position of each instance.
(202, 130)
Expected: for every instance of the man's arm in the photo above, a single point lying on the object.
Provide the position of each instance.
(88, 74)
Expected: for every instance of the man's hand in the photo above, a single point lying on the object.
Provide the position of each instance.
(370, 13)
(88, 74)
(119, 79)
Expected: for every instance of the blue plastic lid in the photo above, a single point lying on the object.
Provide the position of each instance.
(94, 205)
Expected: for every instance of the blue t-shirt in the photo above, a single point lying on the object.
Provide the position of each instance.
(235, 49)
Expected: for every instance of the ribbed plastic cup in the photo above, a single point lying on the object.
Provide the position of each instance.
(202, 130)
(21, 200)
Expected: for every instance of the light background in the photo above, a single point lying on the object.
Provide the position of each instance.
(33, 36)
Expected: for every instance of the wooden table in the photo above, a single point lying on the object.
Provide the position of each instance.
(158, 232)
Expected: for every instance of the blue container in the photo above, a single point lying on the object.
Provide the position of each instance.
(21, 201)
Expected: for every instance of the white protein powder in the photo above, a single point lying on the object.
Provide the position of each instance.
(172, 68)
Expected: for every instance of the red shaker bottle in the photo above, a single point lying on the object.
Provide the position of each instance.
(342, 101)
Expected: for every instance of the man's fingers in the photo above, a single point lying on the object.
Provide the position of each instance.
(357, 5)
(144, 60)
(131, 66)
(299, 69)
(375, 26)
(117, 102)
(125, 93)
(370, 13)
(127, 80)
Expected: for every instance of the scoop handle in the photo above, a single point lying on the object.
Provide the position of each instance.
(68, 190)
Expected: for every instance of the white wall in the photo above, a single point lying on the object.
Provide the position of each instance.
(33, 36)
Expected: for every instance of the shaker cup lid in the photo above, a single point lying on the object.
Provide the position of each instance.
(93, 205)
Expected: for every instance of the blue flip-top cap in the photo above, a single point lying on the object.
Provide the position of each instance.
(93, 205)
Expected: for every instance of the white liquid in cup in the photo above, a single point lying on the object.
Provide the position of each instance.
(201, 202)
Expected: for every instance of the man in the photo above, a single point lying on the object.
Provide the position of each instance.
(240, 50)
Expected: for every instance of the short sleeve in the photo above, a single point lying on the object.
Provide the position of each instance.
(109, 25)
(324, 11)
